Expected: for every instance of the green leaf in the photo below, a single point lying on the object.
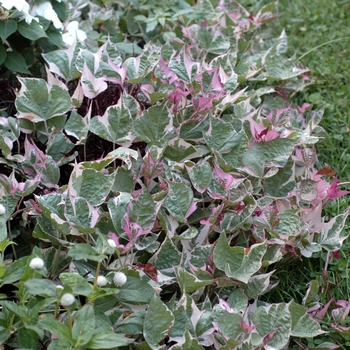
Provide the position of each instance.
(90, 184)
(188, 343)
(275, 318)
(139, 67)
(15, 62)
(302, 324)
(331, 237)
(278, 67)
(32, 31)
(238, 262)
(14, 272)
(83, 251)
(132, 324)
(3, 53)
(84, 325)
(178, 200)
(107, 341)
(61, 344)
(142, 210)
(154, 125)
(178, 150)
(229, 324)
(135, 292)
(167, 256)
(62, 62)
(78, 284)
(201, 175)
(221, 136)
(7, 27)
(39, 101)
(117, 209)
(27, 338)
(266, 154)
(77, 126)
(19, 310)
(189, 282)
(115, 125)
(43, 287)
(212, 41)
(129, 48)
(57, 327)
(158, 322)
(258, 285)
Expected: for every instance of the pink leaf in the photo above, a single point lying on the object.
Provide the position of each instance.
(333, 191)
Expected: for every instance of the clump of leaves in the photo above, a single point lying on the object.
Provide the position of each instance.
(170, 235)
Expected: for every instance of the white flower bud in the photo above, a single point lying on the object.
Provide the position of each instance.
(3, 210)
(101, 281)
(36, 263)
(67, 299)
(119, 279)
(111, 243)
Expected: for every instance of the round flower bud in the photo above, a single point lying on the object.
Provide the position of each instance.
(111, 243)
(36, 263)
(67, 299)
(2, 209)
(101, 281)
(119, 279)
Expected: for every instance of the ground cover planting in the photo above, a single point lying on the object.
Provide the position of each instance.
(158, 177)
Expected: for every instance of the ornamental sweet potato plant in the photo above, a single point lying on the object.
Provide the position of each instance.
(151, 187)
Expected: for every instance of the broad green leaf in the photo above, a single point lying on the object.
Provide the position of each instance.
(117, 209)
(32, 31)
(238, 262)
(78, 284)
(221, 136)
(90, 184)
(62, 62)
(15, 62)
(135, 292)
(84, 325)
(185, 313)
(41, 287)
(83, 251)
(278, 67)
(132, 324)
(138, 67)
(201, 175)
(77, 126)
(19, 310)
(14, 272)
(331, 237)
(158, 322)
(82, 214)
(107, 341)
(142, 210)
(115, 125)
(274, 320)
(302, 324)
(178, 150)
(188, 234)
(129, 48)
(154, 125)
(229, 324)
(238, 301)
(56, 327)
(58, 146)
(212, 41)
(267, 154)
(178, 200)
(39, 101)
(188, 343)
(166, 257)
(189, 282)
(27, 338)
(61, 344)
(258, 285)
(7, 27)
(289, 222)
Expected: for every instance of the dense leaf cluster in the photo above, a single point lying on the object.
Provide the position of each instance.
(179, 162)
